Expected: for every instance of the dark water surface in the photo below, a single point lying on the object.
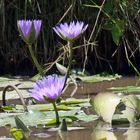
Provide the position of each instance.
(93, 130)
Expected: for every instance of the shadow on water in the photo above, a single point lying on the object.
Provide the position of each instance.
(92, 131)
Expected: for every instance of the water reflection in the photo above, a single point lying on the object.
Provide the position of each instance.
(102, 132)
(133, 133)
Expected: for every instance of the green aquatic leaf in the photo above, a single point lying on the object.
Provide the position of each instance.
(86, 118)
(98, 78)
(126, 89)
(21, 125)
(132, 110)
(43, 114)
(18, 134)
(44, 107)
(132, 101)
(130, 114)
(105, 104)
(21, 82)
(73, 101)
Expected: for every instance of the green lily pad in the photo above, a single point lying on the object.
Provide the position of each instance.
(98, 78)
(20, 81)
(126, 89)
(44, 107)
(73, 101)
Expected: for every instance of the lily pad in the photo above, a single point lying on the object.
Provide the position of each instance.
(126, 89)
(74, 101)
(98, 78)
(20, 81)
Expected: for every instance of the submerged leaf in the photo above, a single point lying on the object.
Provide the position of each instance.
(105, 104)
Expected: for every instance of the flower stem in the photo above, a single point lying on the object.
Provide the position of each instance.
(70, 44)
(40, 70)
(56, 113)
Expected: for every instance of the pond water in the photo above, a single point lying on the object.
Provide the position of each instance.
(91, 132)
(87, 131)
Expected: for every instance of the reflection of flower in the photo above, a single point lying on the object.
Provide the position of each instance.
(48, 88)
(29, 29)
(70, 31)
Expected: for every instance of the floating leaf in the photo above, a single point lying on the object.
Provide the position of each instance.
(86, 118)
(105, 104)
(71, 101)
(126, 89)
(44, 107)
(98, 78)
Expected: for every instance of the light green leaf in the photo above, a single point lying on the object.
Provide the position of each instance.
(130, 114)
(132, 102)
(86, 118)
(21, 125)
(126, 89)
(18, 134)
(44, 107)
(132, 110)
(98, 78)
(73, 101)
(105, 104)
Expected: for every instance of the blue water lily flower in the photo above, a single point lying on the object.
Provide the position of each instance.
(49, 88)
(70, 31)
(29, 29)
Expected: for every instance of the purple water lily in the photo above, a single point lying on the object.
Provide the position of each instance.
(29, 29)
(70, 31)
(49, 87)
